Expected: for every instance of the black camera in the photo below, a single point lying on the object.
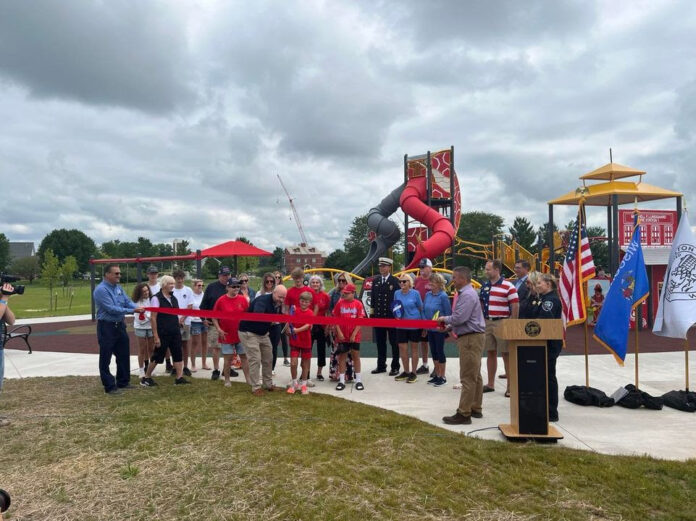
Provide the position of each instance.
(4, 501)
(5, 278)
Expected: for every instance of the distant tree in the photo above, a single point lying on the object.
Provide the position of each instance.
(275, 261)
(68, 270)
(26, 267)
(599, 248)
(523, 232)
(4, 252)
(245, 264)
(478, 227)
(68, 242)
(50, 272)
(337, 259)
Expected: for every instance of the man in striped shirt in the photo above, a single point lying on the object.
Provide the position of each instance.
(499, 300)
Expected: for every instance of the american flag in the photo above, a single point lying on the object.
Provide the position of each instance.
(578, 267)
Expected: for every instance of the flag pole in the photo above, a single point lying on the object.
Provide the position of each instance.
(638, 310)
(686, 360)
(587, 356)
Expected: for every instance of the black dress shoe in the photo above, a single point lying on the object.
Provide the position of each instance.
(475, 414)
(378, 371)
(457, 419)
(394, 372)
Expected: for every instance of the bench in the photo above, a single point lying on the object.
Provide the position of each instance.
(22, 332)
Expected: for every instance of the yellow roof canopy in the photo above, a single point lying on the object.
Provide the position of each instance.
(600, 194)
(611, 172)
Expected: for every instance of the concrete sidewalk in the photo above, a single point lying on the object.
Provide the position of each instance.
(667, 434)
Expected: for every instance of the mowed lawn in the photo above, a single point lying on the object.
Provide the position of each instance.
(205, 452)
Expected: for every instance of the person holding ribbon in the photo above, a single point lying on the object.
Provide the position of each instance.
(167, 334)
(319, 332)
(348, 337)
(228, 328)
(437, 303)
(142, 327)
(408, 305)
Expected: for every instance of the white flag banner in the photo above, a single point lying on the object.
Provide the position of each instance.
(676, 312)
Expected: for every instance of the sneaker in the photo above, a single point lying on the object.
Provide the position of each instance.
(439, 382)
(215, 375)
(422, 370)
(181, 381)
(432, 380)
(394, 372)
(228, 384)
(233, 373)
(291, 389)
(286, 362)
(304, 389)
(402, 376)
(187, 372)
(258, 392)
(340, 386)
(444, 379)
(412, 378)
(319, 378)
(310, 383)
(359, 386)
(148, 382)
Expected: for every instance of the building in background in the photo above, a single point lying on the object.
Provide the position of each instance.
(19, 250)
(302, 255)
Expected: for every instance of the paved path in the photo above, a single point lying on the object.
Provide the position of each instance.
(665, 434)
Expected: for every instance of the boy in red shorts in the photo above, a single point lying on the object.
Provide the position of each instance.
(301, 344)
(348, 336)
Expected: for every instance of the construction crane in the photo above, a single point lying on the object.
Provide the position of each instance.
(294, 212)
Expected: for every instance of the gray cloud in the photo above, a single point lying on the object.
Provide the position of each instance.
(120, 52)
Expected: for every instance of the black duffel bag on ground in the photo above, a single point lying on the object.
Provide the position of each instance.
(581, 395)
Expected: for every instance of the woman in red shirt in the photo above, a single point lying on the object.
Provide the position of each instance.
(319, 332)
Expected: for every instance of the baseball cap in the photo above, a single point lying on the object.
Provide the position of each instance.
(386, 260)
(425, 262)
(152, 269)
(224, 270)
(349, 288)
(234, 281)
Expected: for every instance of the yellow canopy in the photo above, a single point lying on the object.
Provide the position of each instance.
(600, 194)
(612, 172)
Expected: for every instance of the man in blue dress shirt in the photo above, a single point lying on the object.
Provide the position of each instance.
(112, 305)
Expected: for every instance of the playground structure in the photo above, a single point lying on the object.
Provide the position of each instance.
(430, 196)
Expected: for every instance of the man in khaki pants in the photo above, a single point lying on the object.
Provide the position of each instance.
(255, 339)
(469, 327)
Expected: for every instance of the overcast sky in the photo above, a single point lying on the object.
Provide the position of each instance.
(171, 119)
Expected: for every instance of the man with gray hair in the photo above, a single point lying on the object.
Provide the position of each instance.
(468, 325)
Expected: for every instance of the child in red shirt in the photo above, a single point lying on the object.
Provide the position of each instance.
(348, 336)
(228, 328)
(301, 344)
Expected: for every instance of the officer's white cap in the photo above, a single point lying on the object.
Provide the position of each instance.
(386, 260)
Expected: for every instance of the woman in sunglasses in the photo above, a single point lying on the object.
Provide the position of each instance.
(408, 305)
(342, 279)
(246, 291)
(198, 329)
(283, 338)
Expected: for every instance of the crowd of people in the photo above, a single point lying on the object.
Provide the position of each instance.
(472, 318)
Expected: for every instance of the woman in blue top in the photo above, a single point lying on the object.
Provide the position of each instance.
(408, 305)
(437, 302)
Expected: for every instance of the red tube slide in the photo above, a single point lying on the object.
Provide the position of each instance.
(442, 231)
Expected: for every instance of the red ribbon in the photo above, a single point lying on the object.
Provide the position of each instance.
(277, 317)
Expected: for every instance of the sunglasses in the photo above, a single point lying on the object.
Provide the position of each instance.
(244, 281)
(234, 287)
(278, 277)
(199, 285)
(116, 273)
(342, 280)
(269, 281)
(404, 282)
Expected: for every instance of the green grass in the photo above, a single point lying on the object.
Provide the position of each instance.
(207, 452)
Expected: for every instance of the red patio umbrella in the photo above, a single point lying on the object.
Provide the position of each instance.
(234, 249)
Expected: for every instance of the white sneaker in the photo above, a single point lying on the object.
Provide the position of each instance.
(141, 372)
(228, 384)
(310, 383)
